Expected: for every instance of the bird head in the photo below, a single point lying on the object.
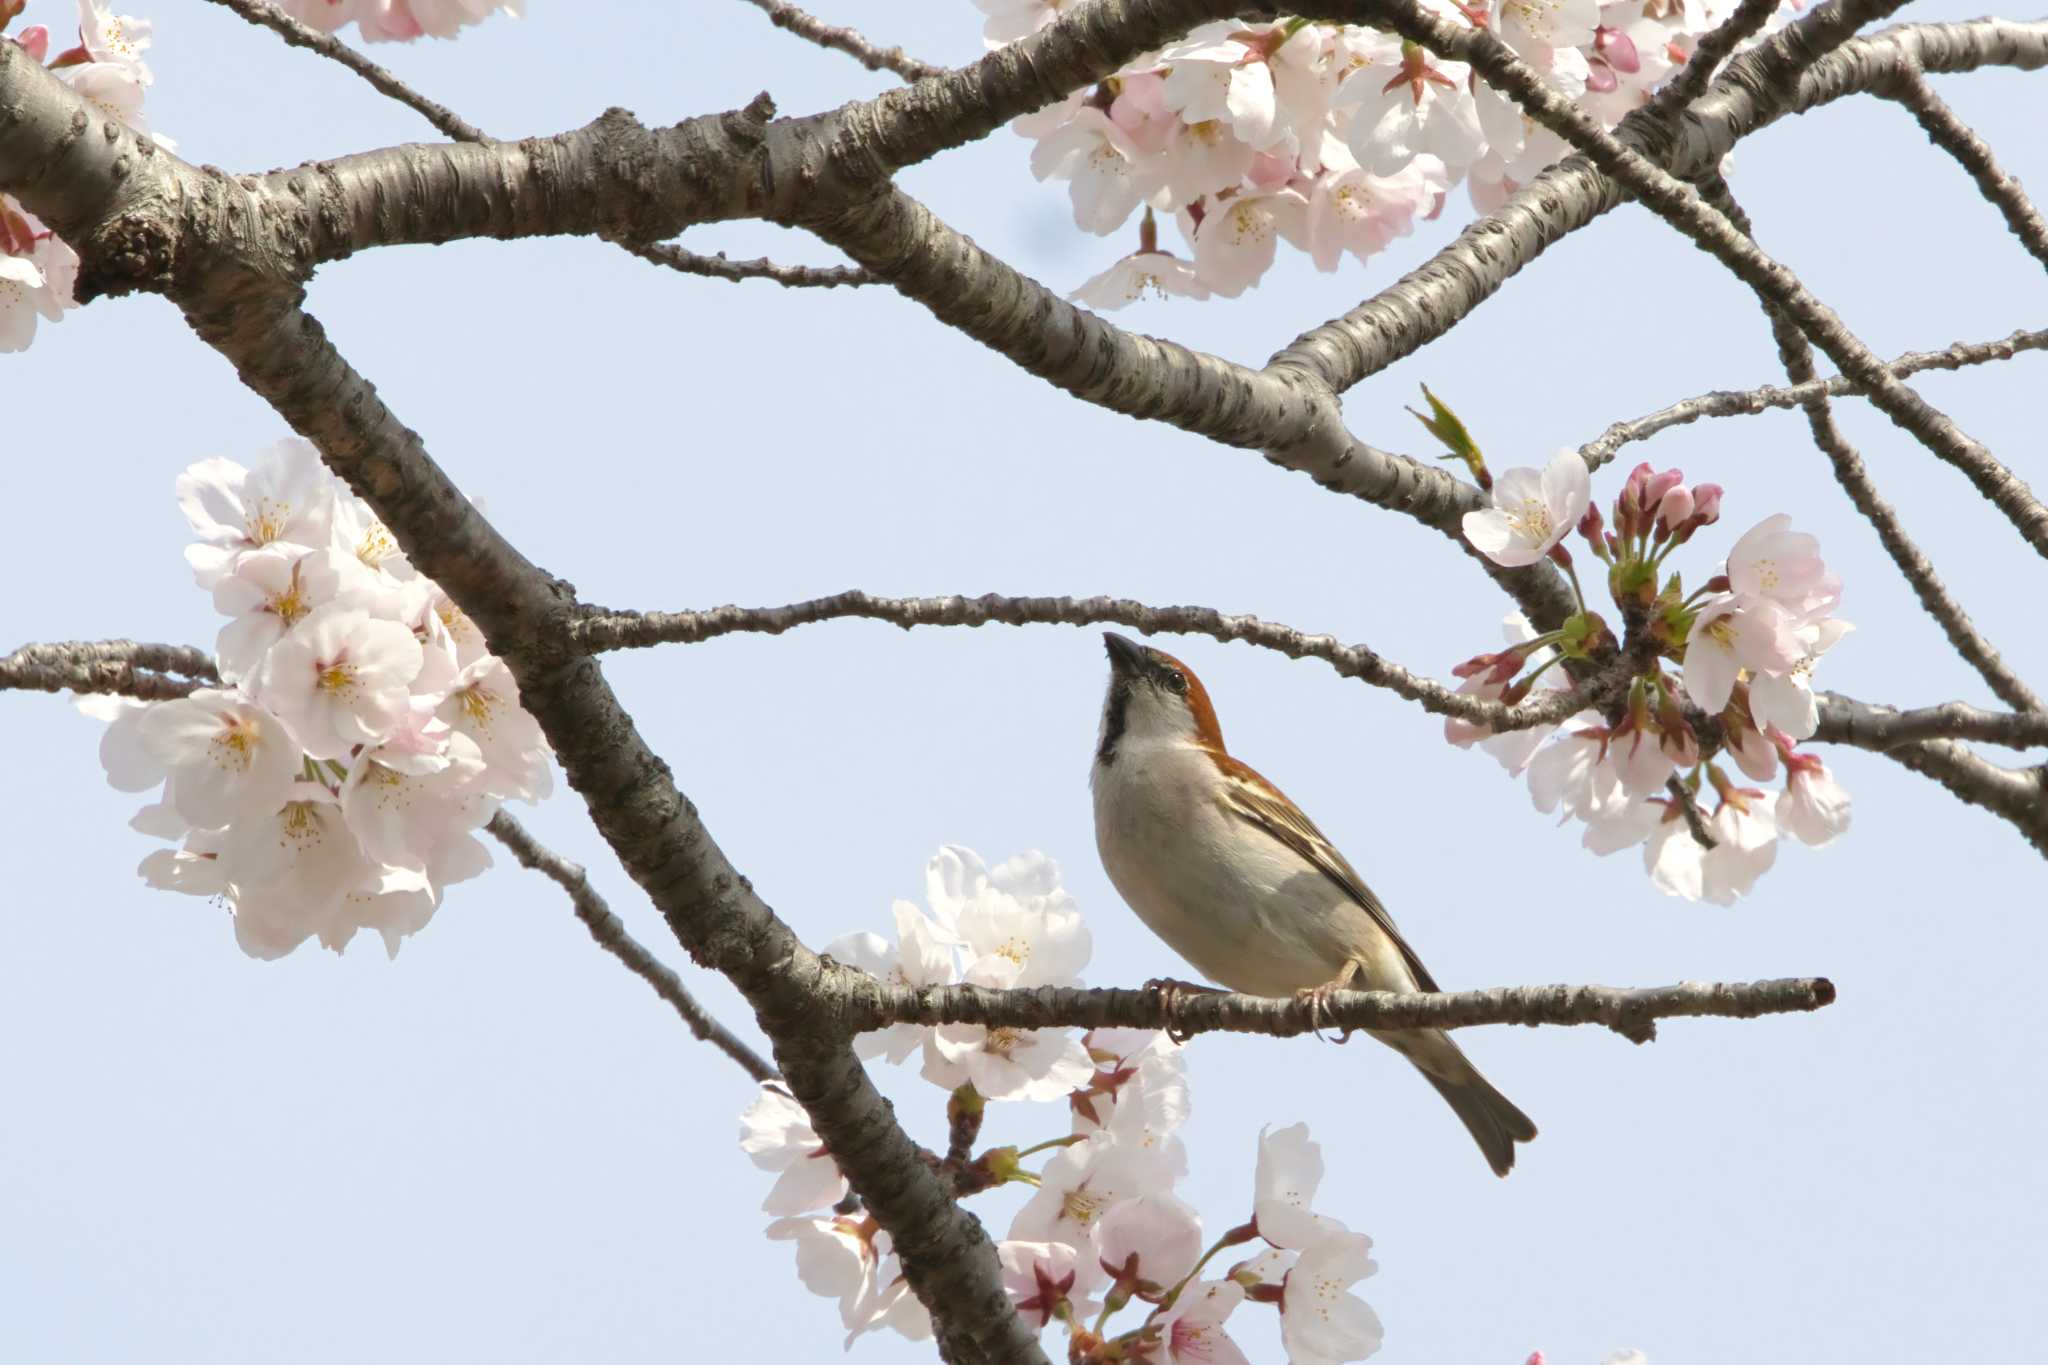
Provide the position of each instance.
(1153, 698)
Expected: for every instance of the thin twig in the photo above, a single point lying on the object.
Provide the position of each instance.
(1712, 49)
(125, 668)
(1689, 807)
(305, 35)
(610, 933)
(634, 630)
(299, 34)
(717, 267)
(1678, 204)
(1957, 138)
(839, 38)
(1750, 402)
(1631, 1013)
(1796, 355)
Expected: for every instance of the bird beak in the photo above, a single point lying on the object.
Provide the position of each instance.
(1125, 656)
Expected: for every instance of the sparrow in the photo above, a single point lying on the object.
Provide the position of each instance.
(1222, 866)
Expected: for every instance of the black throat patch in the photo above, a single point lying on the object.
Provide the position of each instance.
(1113, 718)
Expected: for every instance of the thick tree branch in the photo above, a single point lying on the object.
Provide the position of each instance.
(124, 667)
(2018, 796)
(1866, 725)
(633, 630)
(1426, 302)
(839, 38)
(1956, 137)
(610, 932)
(869, 1004)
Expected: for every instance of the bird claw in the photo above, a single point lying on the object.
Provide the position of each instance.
(1315, 1000)
(1170, 992)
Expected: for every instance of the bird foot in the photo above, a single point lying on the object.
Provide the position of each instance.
(1170, 992)
(1315, 1002)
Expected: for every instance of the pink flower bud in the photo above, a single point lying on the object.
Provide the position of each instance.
(1478, 663)
(1600, 78)
(1718, 583)
(35, 40)
(1638, 479)
(1706, 504)
(1618, 48)
(1660, 484)
(1674, 509)
(1590, 524)
(1560, 556)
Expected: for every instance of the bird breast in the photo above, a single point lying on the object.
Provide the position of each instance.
(1245, 910)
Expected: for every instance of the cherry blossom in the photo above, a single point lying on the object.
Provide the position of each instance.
(1009, 20)
(1290, 1168)
(1745, 832)
(1785, 700)
(1321, 1320)
(1191, 1332)
(1049, 1279)
(226, 758)
(1097, 158)
(1082, 1183)
(1814, 808)
(1778, 564)
(917, 958)
(1148, 1244)
(1532, 510)
(288, 496)
(1730, 634)
(117, 38)
(1142, 273)
(340, 678)
(776, 1134)
(1238, 237)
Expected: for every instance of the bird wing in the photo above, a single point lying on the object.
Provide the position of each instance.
(1261, 803)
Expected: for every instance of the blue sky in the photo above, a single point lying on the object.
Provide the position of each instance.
(501, 1147)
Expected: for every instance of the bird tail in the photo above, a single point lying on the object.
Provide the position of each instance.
(1492, 1119)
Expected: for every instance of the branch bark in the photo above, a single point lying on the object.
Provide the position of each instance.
(1631, 1013)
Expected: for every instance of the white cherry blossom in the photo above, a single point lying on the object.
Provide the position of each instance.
(776, 1134)
(1238, 237)
(1148, 1244)
(1290, 1167)
(1776, 563)
(1785, 700)
(1815, 808)
(1733, 633)
(227, 759)
(287, 497)
(1043, 1277)
(340, 679)
(1158, 274)
(1531, 511)
(1321, 1320)
(1097, 159)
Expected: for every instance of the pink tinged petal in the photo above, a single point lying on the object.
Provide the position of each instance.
(1568, 492)
(1710, 664)
(812, 1183)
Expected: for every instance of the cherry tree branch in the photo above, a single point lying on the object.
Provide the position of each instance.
(633, 630)
(610, 932)
(1960, 141)
(1867, 725)
(1750, 95)
(304, 35)
(869, 1004)
(1749, 402)
(2018, 796)
(1850, 472)
(717, 267)
(1680, 205)
(839, 38)
(124, 667)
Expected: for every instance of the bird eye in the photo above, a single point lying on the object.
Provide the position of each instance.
(1176, 681)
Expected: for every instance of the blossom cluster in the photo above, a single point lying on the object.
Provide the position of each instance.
(105, 66)
(361, 733)
(1102, 1230)
(383, 21)
(1746, 641)
(1333, 138)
